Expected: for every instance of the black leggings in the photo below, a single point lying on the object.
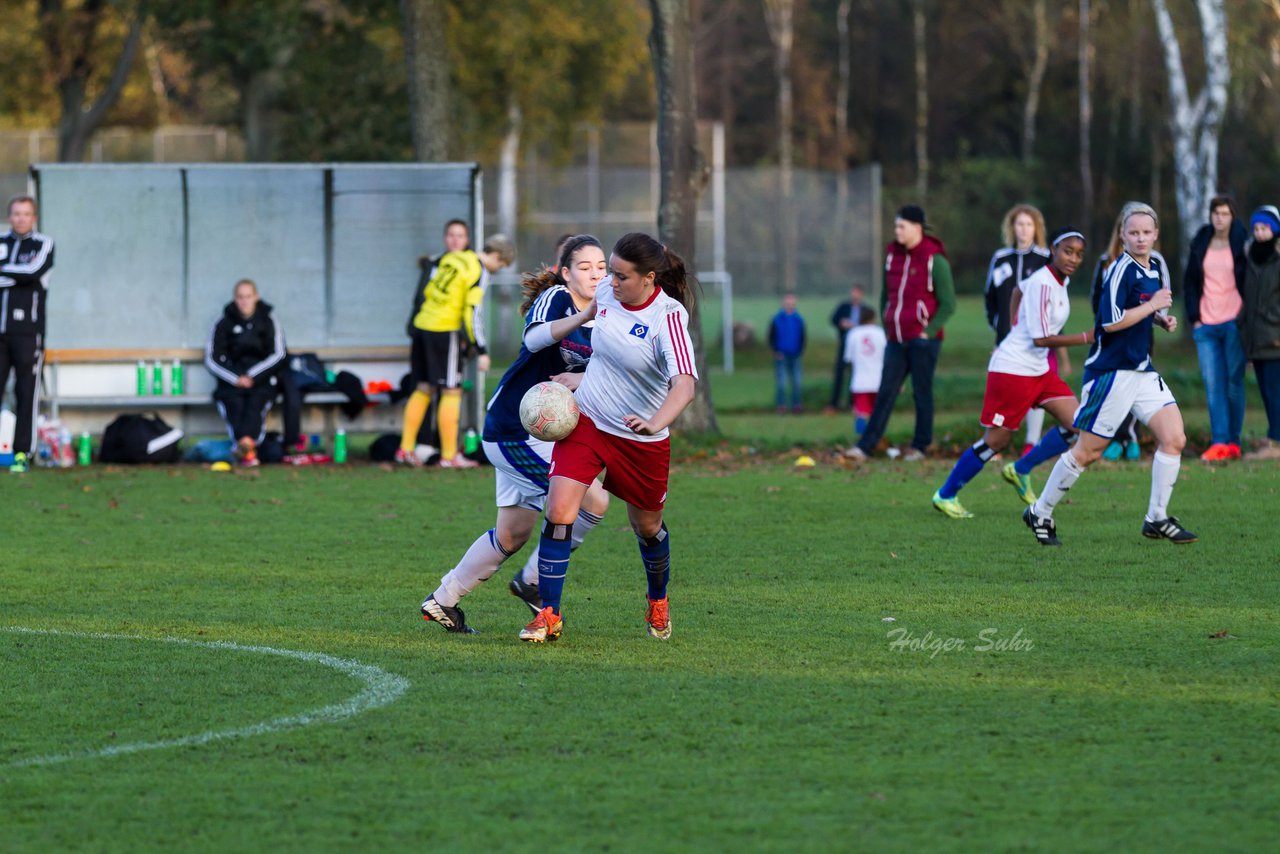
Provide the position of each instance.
(24, 354)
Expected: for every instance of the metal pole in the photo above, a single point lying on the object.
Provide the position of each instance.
(717, 194)
(726, 319)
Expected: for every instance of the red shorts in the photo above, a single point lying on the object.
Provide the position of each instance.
(864, 402)
(1009, 397)
(634, 471)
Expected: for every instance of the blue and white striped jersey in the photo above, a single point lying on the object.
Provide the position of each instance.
(1127, 285)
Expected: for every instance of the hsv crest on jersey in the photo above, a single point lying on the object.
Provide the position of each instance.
(639, 330)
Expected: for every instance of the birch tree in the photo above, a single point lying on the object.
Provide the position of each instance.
(1196, 123)
(1086, 120)
(780, 16)
(682, 171)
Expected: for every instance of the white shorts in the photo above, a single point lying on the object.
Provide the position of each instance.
(521, 468)
(1108, 398)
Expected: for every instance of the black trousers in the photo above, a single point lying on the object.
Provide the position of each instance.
(244, 409)
(24, 355)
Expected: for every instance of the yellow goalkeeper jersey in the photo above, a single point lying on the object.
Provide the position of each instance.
(452, 297)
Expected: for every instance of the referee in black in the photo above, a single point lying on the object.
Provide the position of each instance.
(26, 256)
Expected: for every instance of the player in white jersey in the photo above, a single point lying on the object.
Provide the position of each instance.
(640, 378)
(1119, 379)
(1020, 377)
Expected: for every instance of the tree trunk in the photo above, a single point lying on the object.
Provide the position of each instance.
(922, 100)
(1195, 125)
(1035, 82)
(780, 16)
(258, 96)
(842, 138)
(682, 172)
(426, 56)
(507, 201)
(1086, 122)
(69, 40)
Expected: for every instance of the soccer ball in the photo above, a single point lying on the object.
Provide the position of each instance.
(549, 412)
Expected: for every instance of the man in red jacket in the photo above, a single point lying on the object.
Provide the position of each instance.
(917, 299)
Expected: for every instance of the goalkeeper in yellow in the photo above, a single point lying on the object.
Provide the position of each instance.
(447, 324)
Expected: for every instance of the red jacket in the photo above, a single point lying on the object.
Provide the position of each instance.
(908, 282)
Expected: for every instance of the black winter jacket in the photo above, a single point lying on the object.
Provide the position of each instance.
(239, 345)
(24, 278)
(1193, 279)
(1259, 320)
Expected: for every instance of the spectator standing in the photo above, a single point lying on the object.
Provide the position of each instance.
(864, 353)
(26, 256)
(787, 340)
(245, 353)
(843, 319)
(1259, 320)
(1212, 284)
(918, 298)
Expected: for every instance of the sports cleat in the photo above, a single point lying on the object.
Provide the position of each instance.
(526, 593)
(1113, 452)
(1133, 451)
(659, 619)
(950, 507)
(407, 458)
(452, 619)
(546, 626)
(1235, 451)
(1045, 530)
(855, 455)
(19, 464)
(1021, 484)
(459, 462)
(1168, 529)
(1219, 452)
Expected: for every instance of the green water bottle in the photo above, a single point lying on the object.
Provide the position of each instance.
(340, 446)
(175, 378)
(84, 450)
(470, 442)
(157, 379)
(143, 385)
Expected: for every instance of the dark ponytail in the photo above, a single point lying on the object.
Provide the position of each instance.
(533, 284)
(649, 256)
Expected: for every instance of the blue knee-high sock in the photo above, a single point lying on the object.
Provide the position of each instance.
(966, 469)
(1051, 446)
(859, 425)
(553, 562)
(656, 554)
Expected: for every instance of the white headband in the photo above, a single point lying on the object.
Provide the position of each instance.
(1063, 237)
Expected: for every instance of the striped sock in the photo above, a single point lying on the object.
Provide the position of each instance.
(656, 554)
(553, 563)
(966, 469)
(1055, 444)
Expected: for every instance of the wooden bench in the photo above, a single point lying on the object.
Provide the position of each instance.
(105, 379)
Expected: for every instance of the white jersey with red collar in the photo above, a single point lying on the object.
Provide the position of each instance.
(636, 352)
(1043, 312)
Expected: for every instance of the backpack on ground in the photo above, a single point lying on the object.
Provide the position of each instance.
(141, 439)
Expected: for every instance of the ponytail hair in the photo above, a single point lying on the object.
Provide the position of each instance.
(533, 284)
(649, 256)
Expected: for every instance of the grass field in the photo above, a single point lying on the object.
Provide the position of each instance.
(214, 662)
(780, 716)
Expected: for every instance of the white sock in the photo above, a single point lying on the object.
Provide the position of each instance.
(478, 564)
(1035, 425)
(1063, 477)
(583, 524)
(1164, 471)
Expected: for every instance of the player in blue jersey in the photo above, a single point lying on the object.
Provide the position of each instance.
(1119, 378)
(556, 346)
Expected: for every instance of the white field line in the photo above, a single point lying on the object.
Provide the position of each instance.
(381, 689)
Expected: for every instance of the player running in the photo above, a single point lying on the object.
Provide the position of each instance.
(640, 378)
(559, 304)
(1119, 378)
(1020, 377)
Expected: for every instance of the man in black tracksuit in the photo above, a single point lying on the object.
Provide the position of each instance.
(26, 256)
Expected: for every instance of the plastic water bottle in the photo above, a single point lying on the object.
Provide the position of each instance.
(157, 379)
(340, 446)
(84, 451)
(470, 442)
(144, 386)
(176, 385)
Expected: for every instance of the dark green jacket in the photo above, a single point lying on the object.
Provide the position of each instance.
(1259, 319)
